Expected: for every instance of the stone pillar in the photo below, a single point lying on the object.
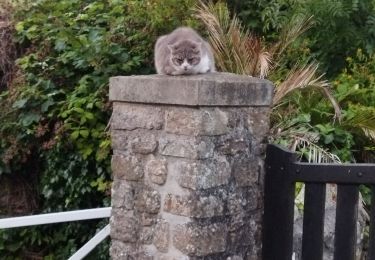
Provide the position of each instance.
(187, 166)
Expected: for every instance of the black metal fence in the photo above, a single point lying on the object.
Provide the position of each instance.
(282, 172)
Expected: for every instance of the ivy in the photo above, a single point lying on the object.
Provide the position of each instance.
(55, 113)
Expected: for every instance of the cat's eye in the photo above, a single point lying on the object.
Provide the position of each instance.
(191, 61)
(178, 61)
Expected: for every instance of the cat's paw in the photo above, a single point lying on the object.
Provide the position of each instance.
(177, 73)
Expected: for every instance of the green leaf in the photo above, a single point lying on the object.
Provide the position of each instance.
(84, 133)
(20, 103)
(19, 27)
(75, 134)
(328, 138)
(30, 118)
(89, 115)
(46, 105)
(60, 44)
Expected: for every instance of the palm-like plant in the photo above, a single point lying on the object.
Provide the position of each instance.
(239, 51)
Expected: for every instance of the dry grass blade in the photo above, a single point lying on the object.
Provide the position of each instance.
(305, 76)
(235, 49)
(363, 118)
(315, 153)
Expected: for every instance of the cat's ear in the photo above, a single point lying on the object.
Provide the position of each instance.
(198, 45)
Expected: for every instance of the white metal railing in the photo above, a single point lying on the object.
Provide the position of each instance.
(65, 217)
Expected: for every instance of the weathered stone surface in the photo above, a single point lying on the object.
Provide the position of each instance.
(194, 206)
(213, 89)
(235, 257)
(143, 256)
(127, 228)
(195, 240)
(234, 146)
(122, 195)
(186, 146)
(147, 219)
(161, 235)
(136, 141)
(129, 168)
(121, 251)
(133, 116)
(192, 121)
(243, 200)
(146, 235)
(144, 144)
(257, 121)
(148, 201)
(202, 174)
(157, 170)
(119, 139)
(246, 172)
(169, 257)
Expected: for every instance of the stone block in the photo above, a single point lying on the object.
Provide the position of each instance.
(119, 140)
(134, 116)
(121, 251)
(157, 170)
(126, 223)
(243, 200)
(146, 235)
(234, 146)
(193, 121)
(235, 257)
(148, 200)
(205, 174)
(127, 167)
(145, 144)
(246, 172)
(147, 219)
(122, 195)
(161, 235)
(257, 121)
(200, 240)
(186, 147)
(137, 141)
(194, 206)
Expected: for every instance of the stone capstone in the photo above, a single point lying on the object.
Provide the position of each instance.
(212, 89)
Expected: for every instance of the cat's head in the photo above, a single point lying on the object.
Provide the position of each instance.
(185, 55)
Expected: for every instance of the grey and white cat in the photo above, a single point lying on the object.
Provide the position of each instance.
(183, 51)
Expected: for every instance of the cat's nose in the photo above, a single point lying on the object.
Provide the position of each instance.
(185, 67)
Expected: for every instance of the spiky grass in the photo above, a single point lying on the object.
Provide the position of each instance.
(236, 49)
(302, 77)
(239, 51)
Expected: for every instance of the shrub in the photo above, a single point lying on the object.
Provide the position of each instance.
(55, 113)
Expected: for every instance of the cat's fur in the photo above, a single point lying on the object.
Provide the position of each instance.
(183, 51)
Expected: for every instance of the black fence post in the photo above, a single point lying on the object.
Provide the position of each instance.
(278, 205)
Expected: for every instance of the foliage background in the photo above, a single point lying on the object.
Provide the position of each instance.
(55, 112)
(54, 106)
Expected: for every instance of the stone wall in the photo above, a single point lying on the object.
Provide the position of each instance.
(187, 166)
